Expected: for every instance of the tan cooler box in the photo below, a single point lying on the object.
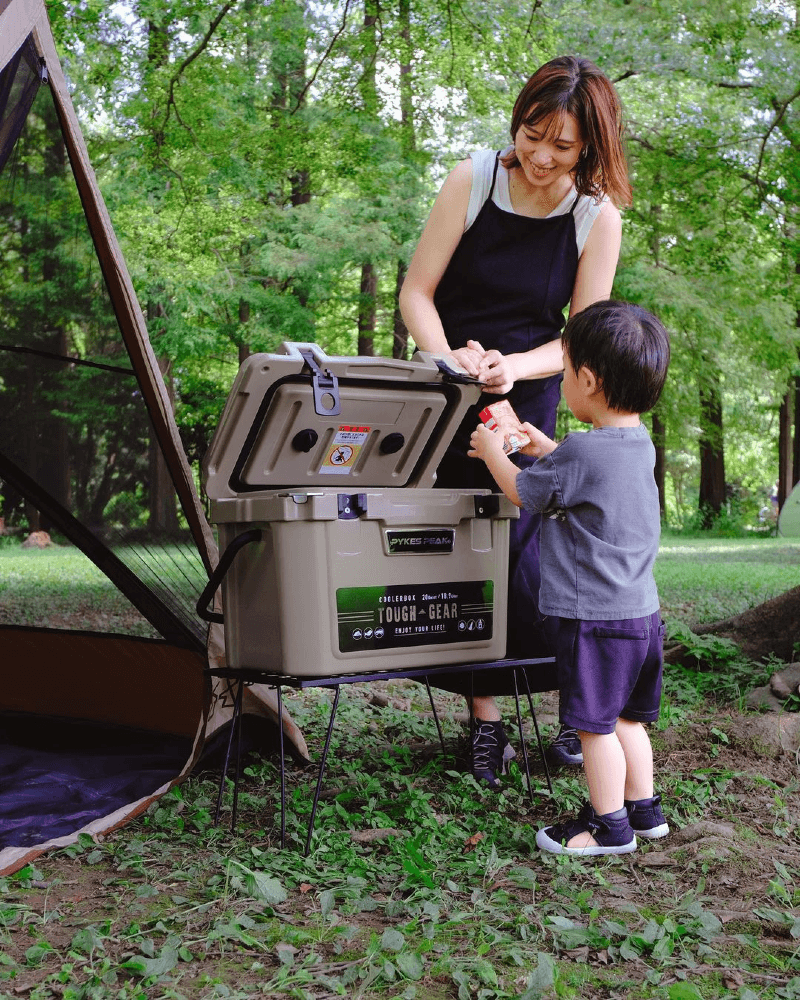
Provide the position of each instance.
(338, 555)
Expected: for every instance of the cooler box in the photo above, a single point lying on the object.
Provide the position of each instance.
(338, 555)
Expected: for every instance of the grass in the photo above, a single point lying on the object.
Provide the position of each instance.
(456, 904)
(59, 585)
(699, 580)
(709, 579)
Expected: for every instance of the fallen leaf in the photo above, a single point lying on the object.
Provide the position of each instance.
(472, 842)
(725, 916)
(305, 887)
(578, 954)
(499, 884)
(732, 980)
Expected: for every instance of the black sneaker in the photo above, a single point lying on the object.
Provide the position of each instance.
(491, 752)
(613, 836)
(646, 818)
(566, 747)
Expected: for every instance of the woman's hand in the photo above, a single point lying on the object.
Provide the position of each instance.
(498, 372)
(470, 358)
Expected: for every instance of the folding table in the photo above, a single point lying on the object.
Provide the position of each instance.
(244, 677)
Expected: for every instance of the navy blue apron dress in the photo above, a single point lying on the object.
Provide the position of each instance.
(506, 286)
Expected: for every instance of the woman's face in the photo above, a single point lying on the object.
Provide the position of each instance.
(545, 158)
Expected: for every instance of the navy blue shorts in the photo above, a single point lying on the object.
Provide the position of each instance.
(608, 670)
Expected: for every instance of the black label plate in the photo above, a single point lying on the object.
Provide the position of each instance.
(420, 541)
(389, 617)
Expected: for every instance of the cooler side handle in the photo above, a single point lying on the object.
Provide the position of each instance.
(216, 578)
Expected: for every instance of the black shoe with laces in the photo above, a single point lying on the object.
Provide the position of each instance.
(491, 752)
(566, 748)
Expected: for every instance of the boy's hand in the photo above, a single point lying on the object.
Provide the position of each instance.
(485, 443)
(540, 444)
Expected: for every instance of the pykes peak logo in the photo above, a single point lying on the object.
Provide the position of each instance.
(420, 542)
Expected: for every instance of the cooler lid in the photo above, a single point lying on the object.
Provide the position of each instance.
(301, 419)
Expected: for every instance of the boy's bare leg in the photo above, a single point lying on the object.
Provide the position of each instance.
(604, 764)
(485, 709)
(635, 742)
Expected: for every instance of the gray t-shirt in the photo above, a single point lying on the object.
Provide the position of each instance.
(600, 524)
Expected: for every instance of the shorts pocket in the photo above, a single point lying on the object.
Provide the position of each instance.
(607, 632)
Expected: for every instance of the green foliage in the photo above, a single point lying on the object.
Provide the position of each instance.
(255, 165)
(450, 898)
(703, 579)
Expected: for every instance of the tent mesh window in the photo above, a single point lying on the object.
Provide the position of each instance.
(75, 434)
(102, 648)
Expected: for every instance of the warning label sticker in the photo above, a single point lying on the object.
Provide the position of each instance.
(344, 449)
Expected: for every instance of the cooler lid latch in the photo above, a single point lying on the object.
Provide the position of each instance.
(488, 505)
(325, 386)
(351, 505)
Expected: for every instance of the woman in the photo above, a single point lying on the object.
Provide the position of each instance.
(512, 238)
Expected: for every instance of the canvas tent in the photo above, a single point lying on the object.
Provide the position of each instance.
(98, 716)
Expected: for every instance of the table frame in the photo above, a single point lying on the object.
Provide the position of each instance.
(245, 676)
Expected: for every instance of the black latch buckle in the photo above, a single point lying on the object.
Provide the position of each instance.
(325, 386)
(487, 506)
(351, 505)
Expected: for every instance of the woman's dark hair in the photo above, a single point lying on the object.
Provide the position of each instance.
(571, 86)
(625, 347)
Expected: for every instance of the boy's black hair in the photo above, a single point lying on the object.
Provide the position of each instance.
(625, 347)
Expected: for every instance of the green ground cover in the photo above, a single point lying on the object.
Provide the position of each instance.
(708, 579)
(420, 885)
(699, 580)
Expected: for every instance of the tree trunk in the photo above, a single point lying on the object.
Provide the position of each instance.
(796, 438)
(408, 143)
(51, 463)
(242, 343)
(712, 453)
(290, 71)
(785, 448)
(367, 311)
(399, 329)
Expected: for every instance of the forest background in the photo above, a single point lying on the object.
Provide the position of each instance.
(268, 168)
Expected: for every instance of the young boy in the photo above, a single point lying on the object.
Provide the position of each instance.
(600, 534)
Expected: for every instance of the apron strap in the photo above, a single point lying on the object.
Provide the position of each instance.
(494, 175)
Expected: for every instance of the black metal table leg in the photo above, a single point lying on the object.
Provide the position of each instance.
(542, 754)
(322, 769)
(522, 737)
(435, 714)
(283, 766)
(235, 722)
(237, 774)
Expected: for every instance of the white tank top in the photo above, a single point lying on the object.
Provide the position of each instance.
(586, 210)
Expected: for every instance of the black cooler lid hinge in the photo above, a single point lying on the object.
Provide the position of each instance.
(325, 385)
(487, 505)
(351, 505)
